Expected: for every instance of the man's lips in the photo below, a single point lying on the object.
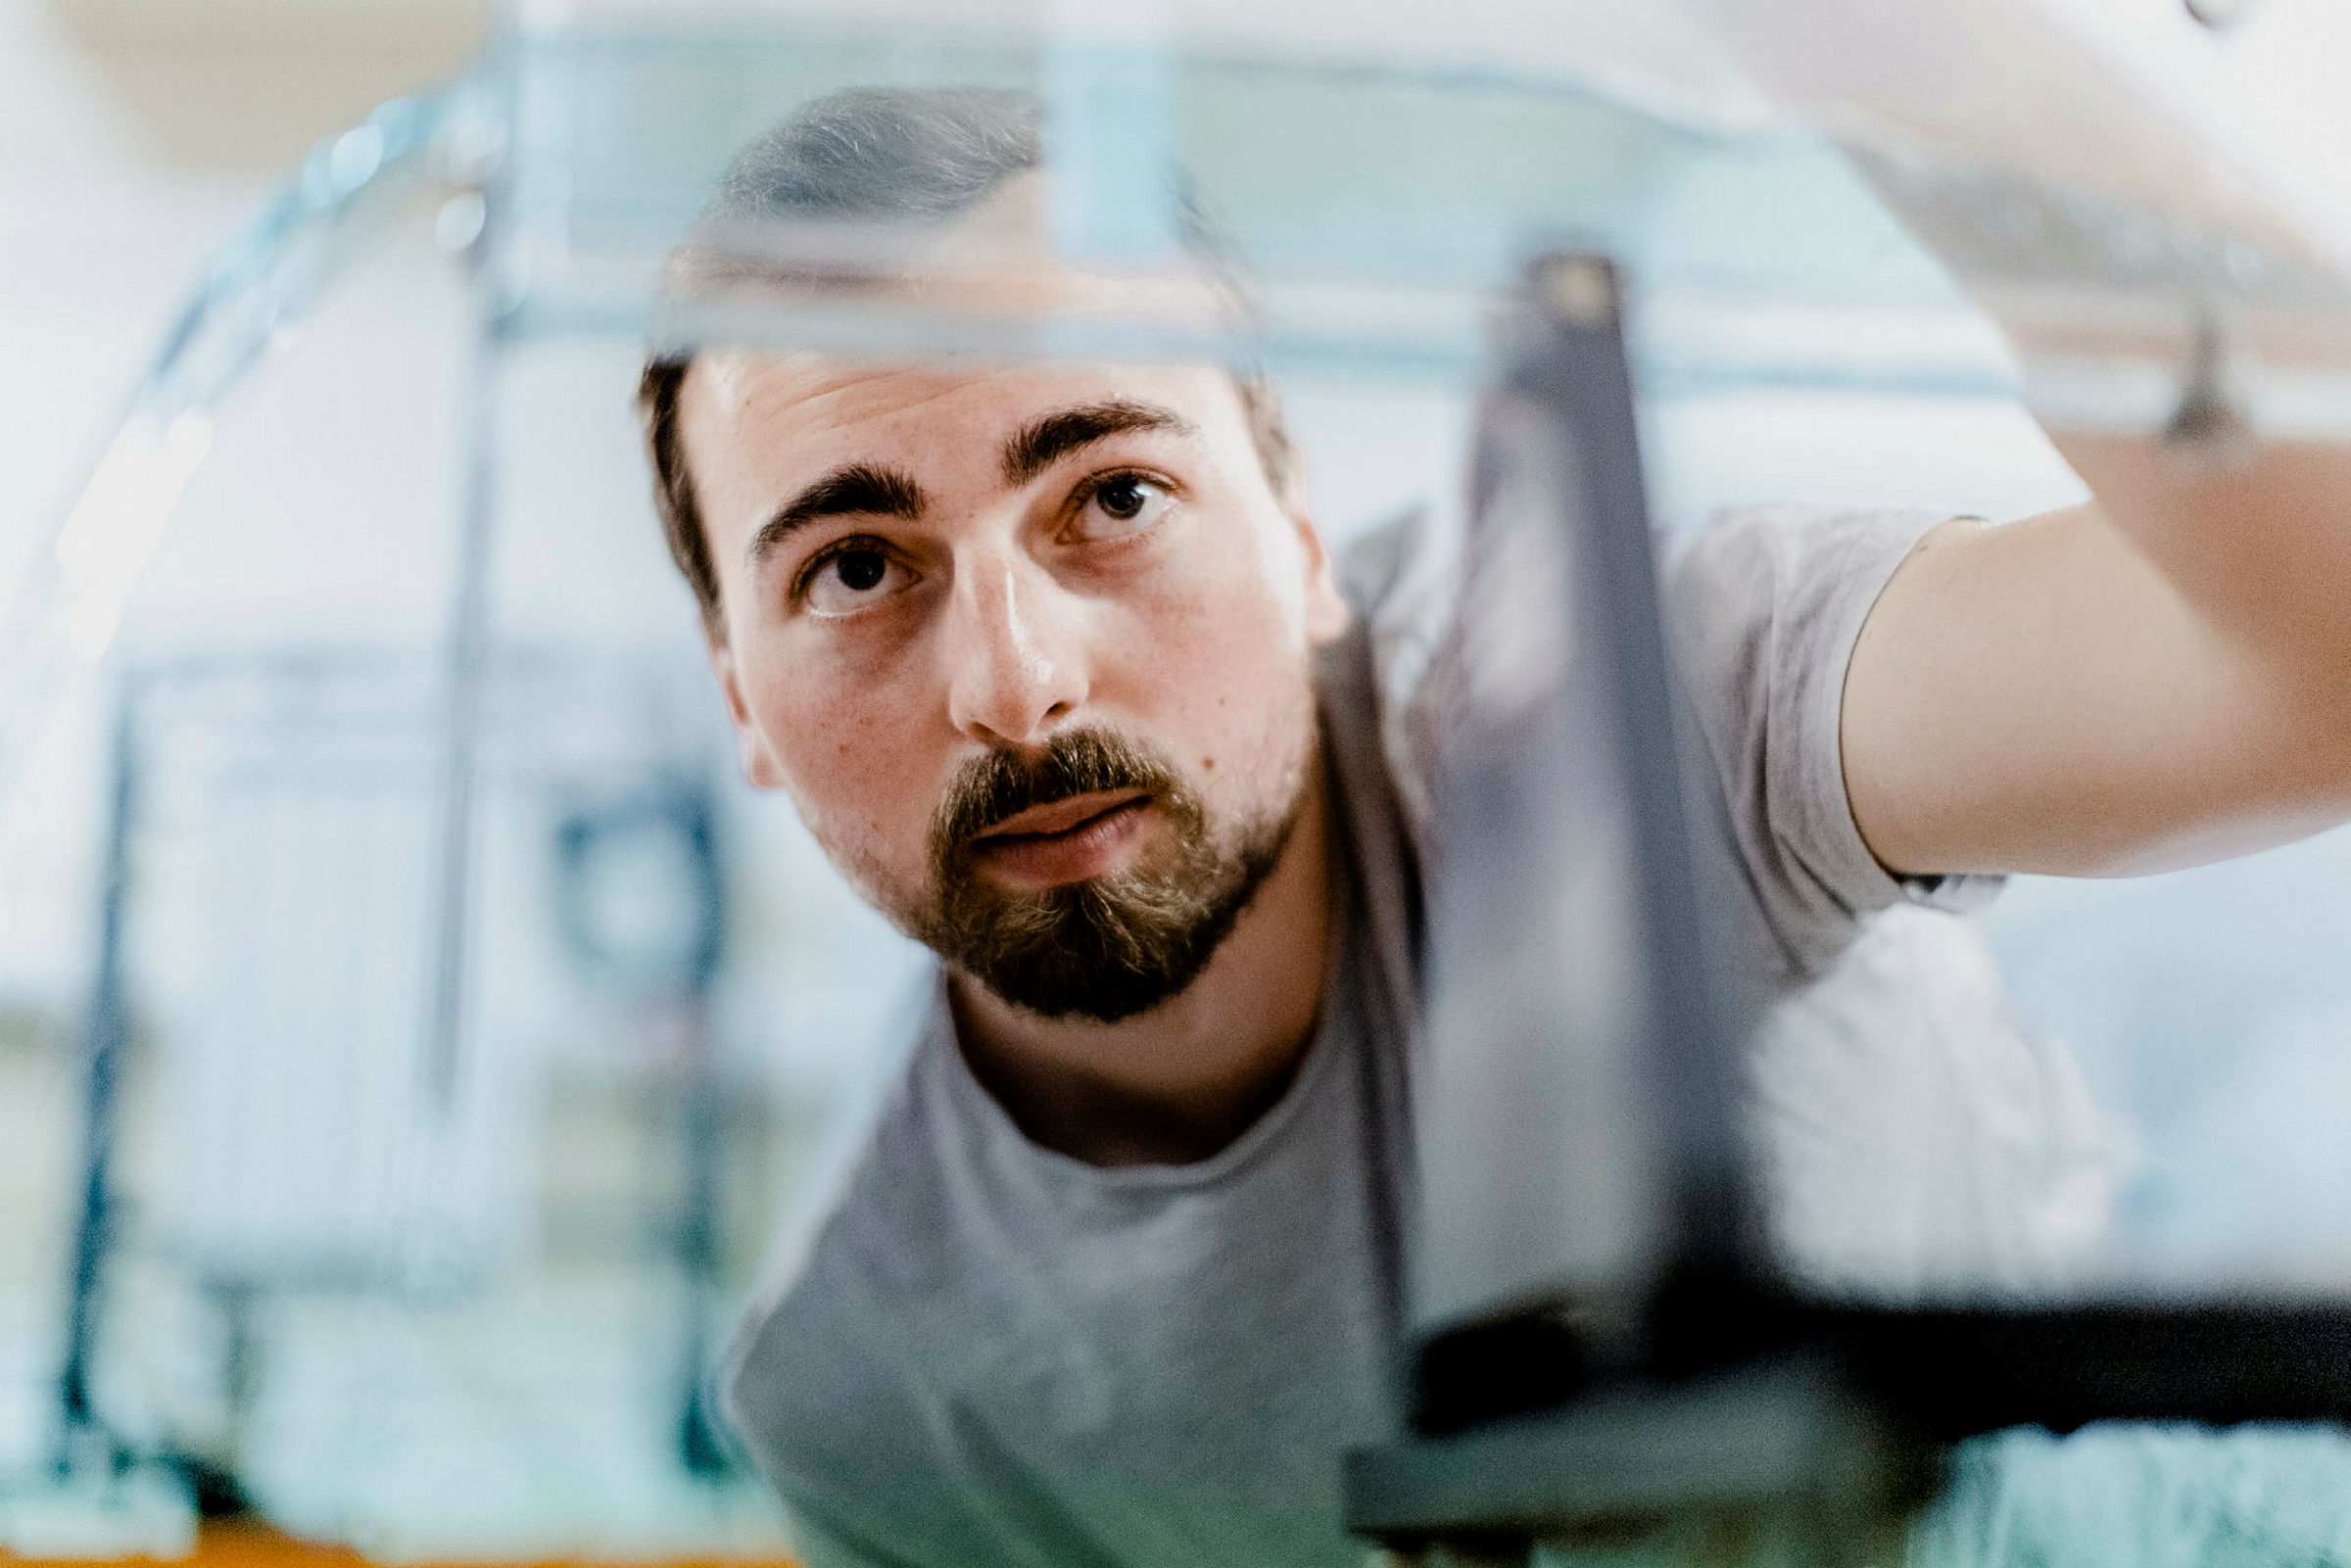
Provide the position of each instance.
(1066, 842)
(1060, 815)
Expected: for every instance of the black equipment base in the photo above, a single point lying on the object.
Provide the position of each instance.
(1836, 1415)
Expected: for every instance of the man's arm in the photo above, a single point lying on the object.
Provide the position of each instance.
(2155, 680)
(2169, 682)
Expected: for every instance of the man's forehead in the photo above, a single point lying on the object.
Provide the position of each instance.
(779, 406)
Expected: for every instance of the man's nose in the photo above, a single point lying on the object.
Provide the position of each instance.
(1014, 651)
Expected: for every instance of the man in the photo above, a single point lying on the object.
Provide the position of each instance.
(1057, 669)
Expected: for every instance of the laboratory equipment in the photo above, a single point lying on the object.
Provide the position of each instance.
(1708, 260)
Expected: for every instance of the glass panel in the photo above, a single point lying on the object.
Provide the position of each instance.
(1737, 240)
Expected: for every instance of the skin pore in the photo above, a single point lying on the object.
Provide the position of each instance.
(919, 566)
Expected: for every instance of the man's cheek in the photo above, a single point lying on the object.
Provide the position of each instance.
(850, 786)
(1247, 734)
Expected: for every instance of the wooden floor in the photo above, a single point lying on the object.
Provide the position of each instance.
(246, 1543)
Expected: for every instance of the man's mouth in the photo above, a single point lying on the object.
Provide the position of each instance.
(1065, 840)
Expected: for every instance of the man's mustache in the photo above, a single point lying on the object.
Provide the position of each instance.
(1002, 784)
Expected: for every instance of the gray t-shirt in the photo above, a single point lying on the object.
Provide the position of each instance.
(980, 1351)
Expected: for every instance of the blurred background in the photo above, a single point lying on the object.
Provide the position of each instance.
(420, 1242)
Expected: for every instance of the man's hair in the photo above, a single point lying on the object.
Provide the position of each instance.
(899, 157)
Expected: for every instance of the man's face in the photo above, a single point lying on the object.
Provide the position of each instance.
(1029, 651)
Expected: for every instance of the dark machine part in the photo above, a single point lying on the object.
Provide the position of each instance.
(668, 966)
(1696, 1398)
(1561, 829)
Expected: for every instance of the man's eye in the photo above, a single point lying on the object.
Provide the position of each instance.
(850, 580)
(1122, 505)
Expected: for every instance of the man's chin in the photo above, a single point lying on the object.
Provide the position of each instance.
(1104, 949)
(1096, 999)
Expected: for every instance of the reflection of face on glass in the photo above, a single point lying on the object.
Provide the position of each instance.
(1031, 649)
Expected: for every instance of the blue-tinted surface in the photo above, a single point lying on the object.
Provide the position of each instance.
(1425, 192)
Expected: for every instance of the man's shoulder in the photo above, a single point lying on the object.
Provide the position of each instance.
(808, 1347)
(1763, 606)
(1747, 563)
(825, 1383)
(828, 1403)
(867, 1247)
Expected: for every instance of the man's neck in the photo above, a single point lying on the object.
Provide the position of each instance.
(1182, 1081)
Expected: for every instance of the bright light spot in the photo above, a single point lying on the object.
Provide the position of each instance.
(356, 155)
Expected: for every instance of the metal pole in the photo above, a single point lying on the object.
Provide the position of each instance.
(702, 1129)
(704, 1124)
(80, 1436)
(1578, 373)
(467, 645)
(464, 655)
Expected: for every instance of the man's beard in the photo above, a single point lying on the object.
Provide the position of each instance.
(1110, 946)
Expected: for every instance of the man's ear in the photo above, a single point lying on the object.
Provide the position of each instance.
(1326, 612)
(758, 765)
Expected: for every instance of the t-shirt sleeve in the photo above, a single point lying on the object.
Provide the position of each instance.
(1765, 607)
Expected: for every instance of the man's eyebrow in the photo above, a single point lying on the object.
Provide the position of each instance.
(858, 490)
(1042, 443)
